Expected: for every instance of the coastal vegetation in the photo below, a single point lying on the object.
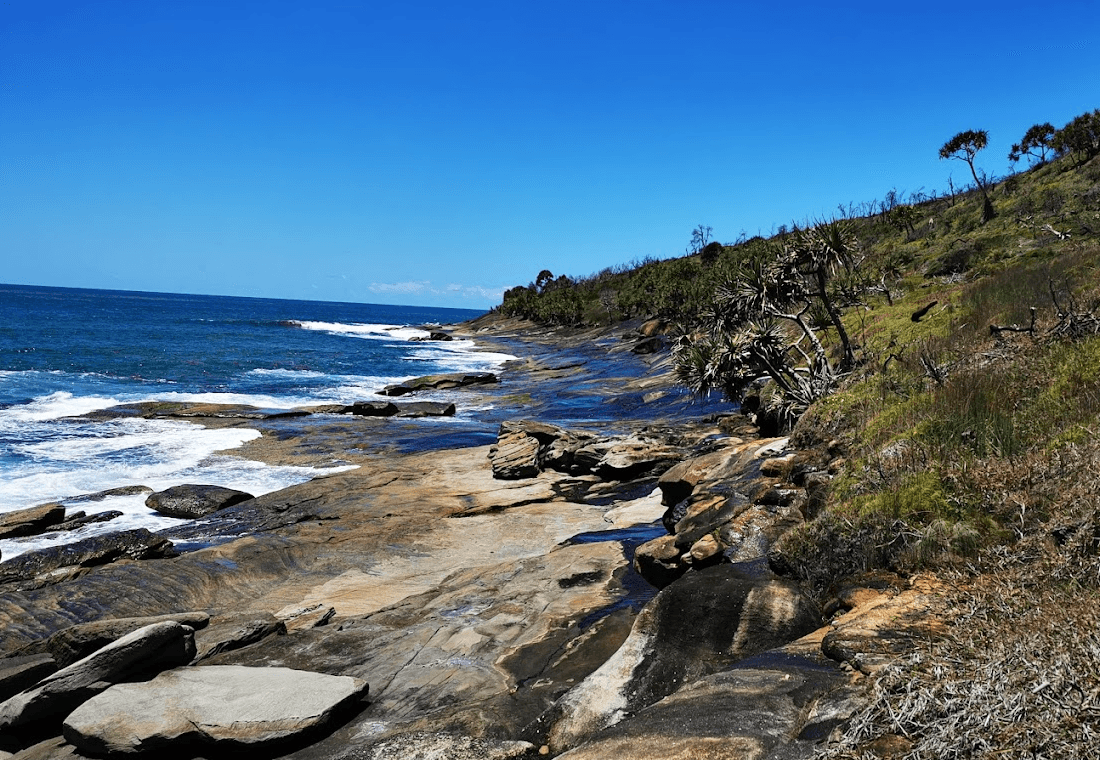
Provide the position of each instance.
(948, 346)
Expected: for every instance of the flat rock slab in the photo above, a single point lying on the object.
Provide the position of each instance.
(191, 501)
(232, 706)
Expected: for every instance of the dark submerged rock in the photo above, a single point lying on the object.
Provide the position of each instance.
(191, 501)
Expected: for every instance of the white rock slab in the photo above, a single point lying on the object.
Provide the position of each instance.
(227, 705)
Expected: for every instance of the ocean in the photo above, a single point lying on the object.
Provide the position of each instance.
(67, 352)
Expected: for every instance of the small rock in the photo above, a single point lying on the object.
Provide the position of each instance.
(78, 641)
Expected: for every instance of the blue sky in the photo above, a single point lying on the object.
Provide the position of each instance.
(436, 153)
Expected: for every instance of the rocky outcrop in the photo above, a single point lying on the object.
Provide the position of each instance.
(28, 522)
(190, 501)
(146, 651)
(439, 382)
(703, 623)
(524, 448)
(138, 543)
(222, 708)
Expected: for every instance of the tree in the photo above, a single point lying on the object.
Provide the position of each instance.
(1036, 143)
(1080, 135)
(963, 147)
(764, 321)
(700, 237)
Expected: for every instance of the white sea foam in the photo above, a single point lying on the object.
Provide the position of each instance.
(58, 405)
(157, 453)
(369, 331)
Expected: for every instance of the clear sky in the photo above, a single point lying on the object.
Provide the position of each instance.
(435, 153)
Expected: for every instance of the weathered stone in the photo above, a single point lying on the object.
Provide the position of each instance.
(145, 651)
(751, 534)
(426, 409)
(515, 456)
(422, 745)
(78, 641)
(679, 481)
(19, 673)
(544, 432)
(28, 522)
(703, 623)
(138, 543)
(631, 457)
(228, 707)
(776, 467)
(190, 501)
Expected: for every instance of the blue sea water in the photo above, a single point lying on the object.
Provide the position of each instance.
(66, 352)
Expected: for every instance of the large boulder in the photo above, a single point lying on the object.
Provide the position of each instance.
(27, 522)
(138, 543)
(229, 707)
(191, 501)
(703, 623)
(146, 651)
(78, 641)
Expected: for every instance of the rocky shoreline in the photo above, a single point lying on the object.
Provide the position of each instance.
(579, 570)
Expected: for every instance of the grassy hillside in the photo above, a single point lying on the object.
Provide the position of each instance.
(968, 425)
